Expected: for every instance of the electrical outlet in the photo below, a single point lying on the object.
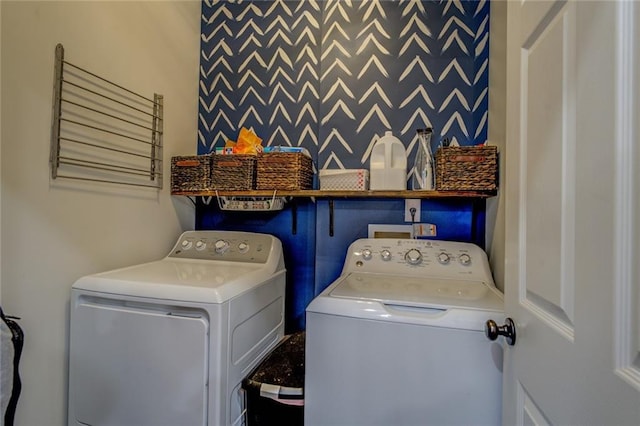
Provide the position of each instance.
(411, 204)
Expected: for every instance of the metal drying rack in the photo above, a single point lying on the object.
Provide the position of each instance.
(103, 132)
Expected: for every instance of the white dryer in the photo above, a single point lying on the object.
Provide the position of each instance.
(398, 338)
(169, 342)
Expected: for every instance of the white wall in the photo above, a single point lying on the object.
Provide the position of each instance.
(0, 159)
(497, 133)
(53, 232)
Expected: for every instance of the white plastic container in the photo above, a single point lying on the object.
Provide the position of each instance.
(344, 179)
(388, 164)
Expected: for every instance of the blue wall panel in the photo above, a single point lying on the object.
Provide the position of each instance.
(333, 76)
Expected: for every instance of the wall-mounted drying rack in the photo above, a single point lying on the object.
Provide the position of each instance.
(103, 132)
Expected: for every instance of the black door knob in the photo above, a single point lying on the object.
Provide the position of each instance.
(508, 330)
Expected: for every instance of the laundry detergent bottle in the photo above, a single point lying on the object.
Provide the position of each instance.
(388, 164)
(424, 171)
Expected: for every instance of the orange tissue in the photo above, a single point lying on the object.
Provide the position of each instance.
(248, 142)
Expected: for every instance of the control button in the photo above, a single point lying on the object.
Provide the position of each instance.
(444, 258)
(413, 257)
(465, 259)
(200, 245)
(221, 246)
(243, 247)
(386, 255)
(366, 254)
(186, 245)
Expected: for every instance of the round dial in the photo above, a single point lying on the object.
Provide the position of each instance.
(243, 247)
(465, 259)
(413, 257)
(444, 258)
(221, 246)
(200, 245)
(186, 245)
(366, 254)
(386, 255)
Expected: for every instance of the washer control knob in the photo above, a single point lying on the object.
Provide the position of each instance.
(464, 259)
(366, 254)
(243, 247)
(221, 246)
(186, 244)
(444, 258)
(413, 257)
(386, 255)
(200, 245)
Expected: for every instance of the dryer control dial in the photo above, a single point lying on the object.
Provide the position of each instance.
(413, 257)
(366, 254)
(444, 258)
(221, 246)
(464, 259)
(186, 244)
(386, 255)
(200, 245)
(243, 247)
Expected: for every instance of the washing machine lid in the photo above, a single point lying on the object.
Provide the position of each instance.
(447, 303)
(418, 292)
(180, 280)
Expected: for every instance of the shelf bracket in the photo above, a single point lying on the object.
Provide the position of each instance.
(294, 216)
(331, 217)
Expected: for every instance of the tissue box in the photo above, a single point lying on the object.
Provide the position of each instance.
(344, 179)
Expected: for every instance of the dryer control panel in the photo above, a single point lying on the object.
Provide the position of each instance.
(233, 246)
(424, 258)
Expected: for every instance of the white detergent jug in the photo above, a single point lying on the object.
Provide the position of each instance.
(388, 164)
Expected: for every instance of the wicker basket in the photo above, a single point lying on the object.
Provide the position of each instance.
(468, 168)
(235, 172)
(284, 170)
(190, 173)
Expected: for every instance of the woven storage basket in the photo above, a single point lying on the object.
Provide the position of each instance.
(467, 168)
(284, 170)
(190, 173)
(235, 172)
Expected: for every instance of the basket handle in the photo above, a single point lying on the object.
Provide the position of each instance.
(468, 158)
(187, 163)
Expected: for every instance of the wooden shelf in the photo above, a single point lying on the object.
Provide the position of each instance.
(340, 194)
(331, 195)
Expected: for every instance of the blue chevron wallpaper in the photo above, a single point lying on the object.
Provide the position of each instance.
(332, 76)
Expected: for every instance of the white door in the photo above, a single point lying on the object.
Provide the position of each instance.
(572, 197)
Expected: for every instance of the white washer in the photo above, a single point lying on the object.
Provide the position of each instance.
(169, 342)
(398, 338)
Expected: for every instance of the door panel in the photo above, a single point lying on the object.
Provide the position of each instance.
(627, 321)
(548, 180)
(531, 413)
(137, 364)
(572, 215)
